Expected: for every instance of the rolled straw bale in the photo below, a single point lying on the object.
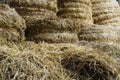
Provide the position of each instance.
(12, 26)
(45, 4)
(33, 10)
(106, 12)
(54, 25)
(100, 33)
(55, 30)
(76, 9)
(63, 37)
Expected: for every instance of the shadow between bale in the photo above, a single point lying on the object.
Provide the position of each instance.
(89, 67)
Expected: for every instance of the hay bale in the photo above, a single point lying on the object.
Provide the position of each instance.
(106, 12)
(100, 33)
(54, 30)
(77, 9)
(33, 10)
(64, 37)
(12, 26)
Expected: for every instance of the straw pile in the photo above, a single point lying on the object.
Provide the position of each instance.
(76, 9)
(54, 31)
(57, 62)
(12, 26)
(33, 10)
(106, 12)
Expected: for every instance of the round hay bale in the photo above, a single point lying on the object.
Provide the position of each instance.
(33, 10)
(76, 9)
(106, 12)
(100, 33)
(63, 37)
(12, 26)
(45, 4)
(54, 30)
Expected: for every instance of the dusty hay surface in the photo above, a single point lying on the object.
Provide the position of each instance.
(54, 31)
(12, 26)
(33, 10)
(76, 9)
(106, 12)
(45, 61)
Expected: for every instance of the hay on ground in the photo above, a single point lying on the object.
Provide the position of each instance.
(106, 12)
(76, 9)
(57, 62)
(12, 26)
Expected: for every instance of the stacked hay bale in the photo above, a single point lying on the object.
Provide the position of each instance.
(46, 26)
(100, 33)
(54, 31)
(76, 9)
(12, 26)
(106, 12)
(33, 10)
(74, 14)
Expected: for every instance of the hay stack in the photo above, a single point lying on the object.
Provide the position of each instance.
(106, 12)
(57, 62)
(76, 9)
(33, 10)
(100, 33)
(54, 31)
(87, 64)
(12, 26)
